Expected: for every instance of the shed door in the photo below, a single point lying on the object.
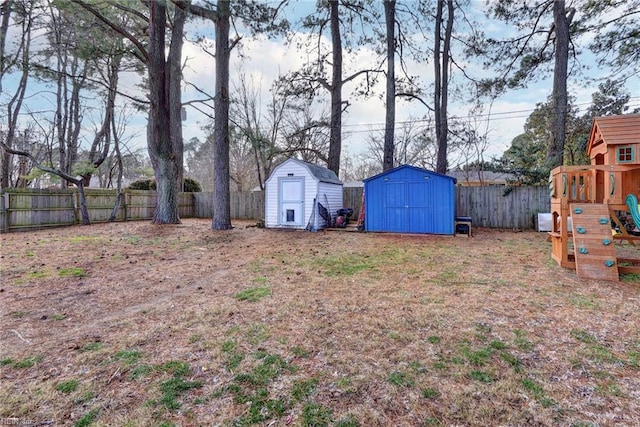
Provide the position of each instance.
(396, 215)
(409, 208)
(291, 201)
(421, 213)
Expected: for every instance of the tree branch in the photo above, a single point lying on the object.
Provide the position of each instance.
(39, 165)
(142, 53)
(416, 97)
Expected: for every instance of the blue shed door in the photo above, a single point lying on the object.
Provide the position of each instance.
(420, 211)
(395, 205)
(416, 207)
(409, 207)
(291, 201)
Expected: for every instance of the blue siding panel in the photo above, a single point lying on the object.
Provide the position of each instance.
(410, 200)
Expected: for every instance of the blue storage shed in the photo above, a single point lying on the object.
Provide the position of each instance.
(409, 199)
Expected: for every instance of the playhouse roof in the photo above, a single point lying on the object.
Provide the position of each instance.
(614, 130)
(321, 173)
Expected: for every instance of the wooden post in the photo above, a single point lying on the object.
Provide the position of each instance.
(76, 207)
(4, 208)
(125, 207)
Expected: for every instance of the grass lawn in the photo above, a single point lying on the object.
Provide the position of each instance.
(130, 324)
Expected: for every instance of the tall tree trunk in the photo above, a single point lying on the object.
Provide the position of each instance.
(15, 104)
(437, 90)
(221, 191)
(441, 53)
(84, 212)
(62, 100)
(5, 11)
(561, 24)
(175, 93)
(390, 116)
(159, 133)
(335, 133)
(74, 121)
(116, 147)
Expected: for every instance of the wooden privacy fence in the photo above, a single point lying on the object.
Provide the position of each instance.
(489, 206)
(499, 206)
(24, 209)
(493, 206)
(244, 204)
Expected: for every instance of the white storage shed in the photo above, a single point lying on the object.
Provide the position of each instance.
(301, 195)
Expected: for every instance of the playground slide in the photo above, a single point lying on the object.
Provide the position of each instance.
(632, 204)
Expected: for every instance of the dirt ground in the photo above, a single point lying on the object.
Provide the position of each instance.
(141, 325)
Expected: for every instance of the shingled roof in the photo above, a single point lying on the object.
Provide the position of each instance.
(321, 173)
(614, 130)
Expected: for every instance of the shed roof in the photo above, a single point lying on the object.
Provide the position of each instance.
(409, 167)
(614, 130)
(319, 172)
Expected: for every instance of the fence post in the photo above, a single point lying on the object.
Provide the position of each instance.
(76, 207)
(4, 208)
(125, 207)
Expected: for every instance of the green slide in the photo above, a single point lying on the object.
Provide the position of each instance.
(632, 203)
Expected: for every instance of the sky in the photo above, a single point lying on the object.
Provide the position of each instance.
(263, 60)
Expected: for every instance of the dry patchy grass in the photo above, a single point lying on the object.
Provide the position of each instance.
(139, 325)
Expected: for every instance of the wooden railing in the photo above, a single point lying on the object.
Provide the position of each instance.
(594, 184)
(573, 184)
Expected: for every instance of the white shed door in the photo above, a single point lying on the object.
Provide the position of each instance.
(291, 201)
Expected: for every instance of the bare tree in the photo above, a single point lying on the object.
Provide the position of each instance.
(25, 17)
(313, 77)
(259, 130)
(77, 182)
(414, 145)
(259, 17)
(101, 144)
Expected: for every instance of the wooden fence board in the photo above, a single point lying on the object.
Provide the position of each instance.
(353, 199)
(488, 206)
(499, 206)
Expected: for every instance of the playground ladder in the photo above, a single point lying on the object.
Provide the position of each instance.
(595, 252)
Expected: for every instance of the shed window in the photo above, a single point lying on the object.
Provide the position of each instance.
(625, 154)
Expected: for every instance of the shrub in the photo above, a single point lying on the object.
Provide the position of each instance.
(143, 184)
(190, 185)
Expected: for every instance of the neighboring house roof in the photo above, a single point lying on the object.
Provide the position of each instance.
(486, 177)
(408, 167)
(321, 173)
(353, 184)
(614, 130)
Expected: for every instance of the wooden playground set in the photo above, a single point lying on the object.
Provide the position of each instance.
(595, 207)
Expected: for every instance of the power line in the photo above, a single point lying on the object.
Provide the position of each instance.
(490, 117)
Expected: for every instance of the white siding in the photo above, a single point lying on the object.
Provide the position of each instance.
(271, 200)
(333, 199)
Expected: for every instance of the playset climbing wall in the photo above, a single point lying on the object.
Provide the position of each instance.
(595, 252)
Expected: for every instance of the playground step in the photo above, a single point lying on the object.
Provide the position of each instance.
(595, 252)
